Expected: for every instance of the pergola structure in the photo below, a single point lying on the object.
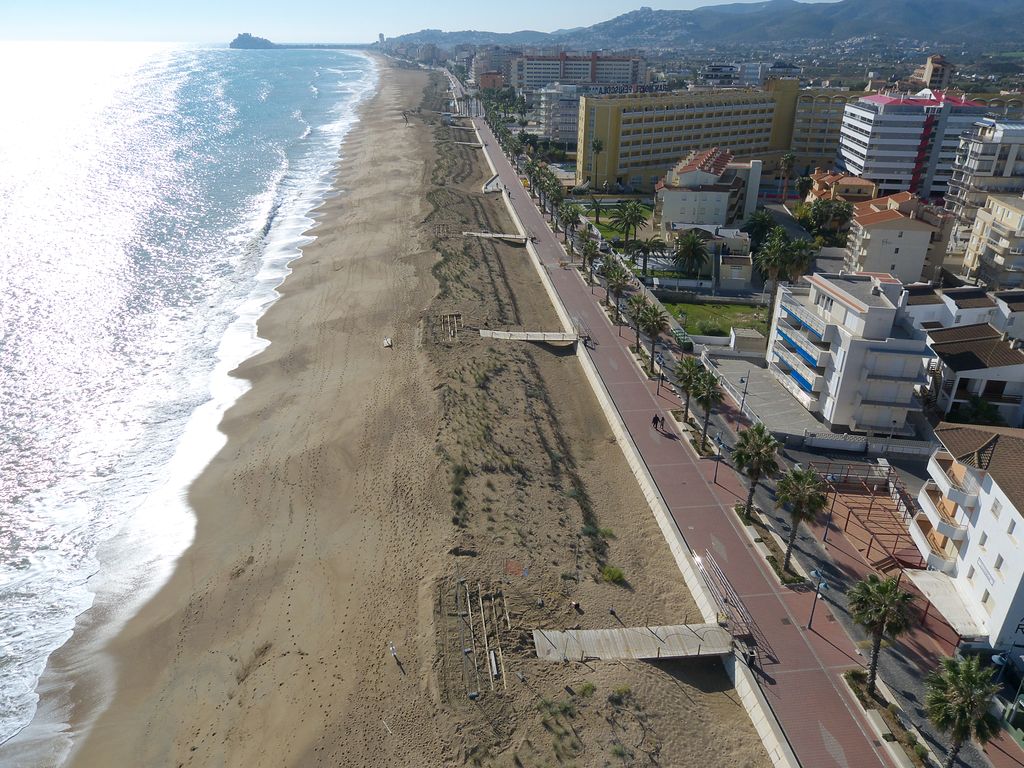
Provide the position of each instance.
(873, 508)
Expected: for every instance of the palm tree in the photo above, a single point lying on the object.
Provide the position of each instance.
(691, 253)
(597, 147)
(637, 304)
(708, 395)
(688, 374)
(596, 206)
(758, 226)
(654, 322)
(755, 456)
(617, 280)
(804, 493)
(628, 217)
(799, 257)
(957, 698)
(883, 609)
(651, 246)
(570, 214)
(803, 186)
(589, 252)
(771, 259)
(786, 163)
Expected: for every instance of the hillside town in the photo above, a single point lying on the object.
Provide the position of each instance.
(827, 271)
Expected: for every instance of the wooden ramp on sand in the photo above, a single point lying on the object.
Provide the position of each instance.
(497, 236)
(542, 336)
(674, 642)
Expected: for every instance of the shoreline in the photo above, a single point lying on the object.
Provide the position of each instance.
(365, 493)
(78, 673)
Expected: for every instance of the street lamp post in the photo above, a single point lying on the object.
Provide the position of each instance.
(660, 360)
(828, 523)
(718, 458)
(820, 585)
(744, 381)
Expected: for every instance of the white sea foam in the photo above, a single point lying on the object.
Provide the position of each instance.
(108, 520)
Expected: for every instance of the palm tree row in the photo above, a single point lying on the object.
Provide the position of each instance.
(700, 385)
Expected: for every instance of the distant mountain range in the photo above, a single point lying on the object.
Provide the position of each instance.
(951, 21)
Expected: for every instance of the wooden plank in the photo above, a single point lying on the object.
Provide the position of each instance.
(665, 642)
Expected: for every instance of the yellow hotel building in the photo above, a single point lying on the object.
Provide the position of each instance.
(645, 134)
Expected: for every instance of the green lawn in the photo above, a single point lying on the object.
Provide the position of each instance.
(608, 232)
(718, 319)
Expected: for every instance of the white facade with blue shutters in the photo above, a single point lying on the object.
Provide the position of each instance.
(836, 346)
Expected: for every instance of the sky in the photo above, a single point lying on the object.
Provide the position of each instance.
(211, 21)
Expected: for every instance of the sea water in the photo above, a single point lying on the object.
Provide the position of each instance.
(151, 197)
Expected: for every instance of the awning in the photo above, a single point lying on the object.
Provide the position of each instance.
(941, 592)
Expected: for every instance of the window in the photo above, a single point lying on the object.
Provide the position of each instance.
(1011, 528)
(896, 252)
(997, 508)
(982, 541)
(986, 600)
(999, 562)
(900, 233)
(970, 573)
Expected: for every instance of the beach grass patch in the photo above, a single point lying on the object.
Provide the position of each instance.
(613, 575)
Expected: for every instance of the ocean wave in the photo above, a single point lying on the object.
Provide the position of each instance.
(194, 280)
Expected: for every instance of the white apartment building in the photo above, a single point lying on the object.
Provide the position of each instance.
(996, 246)
(905, 143)
(989, 160)
(969, 531)
(886, 236)
(707, 187)
(974, 362)
(837, 346)
(558, 111)
(746, 74)
(530, 72)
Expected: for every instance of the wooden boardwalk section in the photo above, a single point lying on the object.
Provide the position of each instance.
(497, 236)
(674, 642)
(543, 336)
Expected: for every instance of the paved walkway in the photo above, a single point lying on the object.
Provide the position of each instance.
(803, 682)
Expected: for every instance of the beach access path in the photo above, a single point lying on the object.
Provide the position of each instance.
(803, 681)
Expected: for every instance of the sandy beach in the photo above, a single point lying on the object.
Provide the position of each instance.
(362, 487)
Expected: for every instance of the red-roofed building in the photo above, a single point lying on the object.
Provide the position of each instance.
(905, 142)
(707, 187)
(830, 185)
(896, 234)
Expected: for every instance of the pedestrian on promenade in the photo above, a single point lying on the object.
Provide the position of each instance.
(654, 421)
(661, 422)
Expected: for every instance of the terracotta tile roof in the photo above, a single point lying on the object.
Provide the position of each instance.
(868, 219)
(969, 297)
(882, 203)
(712, 160)
(996, 450)
(973, 347)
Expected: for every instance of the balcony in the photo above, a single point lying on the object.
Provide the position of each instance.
(806, 317)
(941, 512)
(935, 556)
(810, 349)
(805, 398)
(952, 481)
(797, 360)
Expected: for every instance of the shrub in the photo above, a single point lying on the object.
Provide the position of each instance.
(619, 694)
(857, 675)
(612, 574)
(586, 689)
(921, 751)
